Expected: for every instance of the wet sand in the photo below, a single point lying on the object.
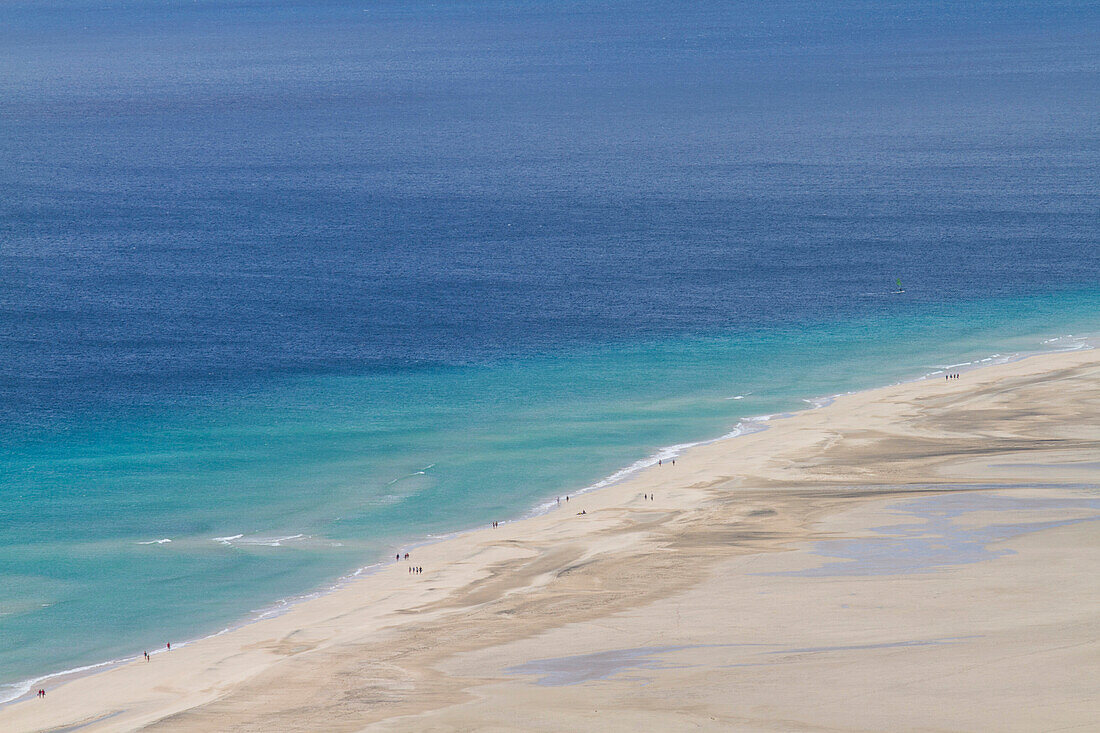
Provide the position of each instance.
(911, 558)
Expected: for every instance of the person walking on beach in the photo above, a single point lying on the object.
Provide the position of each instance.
(169, 645)
(146, 656)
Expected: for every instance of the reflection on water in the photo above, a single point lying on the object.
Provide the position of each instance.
(935, 540)
(560, 671)
(601, 665)
(1080, 466)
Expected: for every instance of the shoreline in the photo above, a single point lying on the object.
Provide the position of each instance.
(759, 423)
(359, 577)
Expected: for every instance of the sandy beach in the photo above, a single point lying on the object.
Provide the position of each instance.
(917, 557)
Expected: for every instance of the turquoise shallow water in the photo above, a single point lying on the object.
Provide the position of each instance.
(278, 492)
(286, 284)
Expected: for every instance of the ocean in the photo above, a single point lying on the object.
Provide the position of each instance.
(287, 286)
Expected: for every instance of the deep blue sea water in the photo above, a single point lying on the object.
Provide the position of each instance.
(327, 277)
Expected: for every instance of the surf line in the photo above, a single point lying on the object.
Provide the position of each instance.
(419, 472)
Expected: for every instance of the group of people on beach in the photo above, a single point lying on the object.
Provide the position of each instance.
(660, 462)
(648, 496)
(951, 376)
(496, 524)
(412, 568)
(40, 694)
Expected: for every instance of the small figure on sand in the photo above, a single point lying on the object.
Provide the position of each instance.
(41, 694)
(169, 645)
(146, 656)
(581, 512)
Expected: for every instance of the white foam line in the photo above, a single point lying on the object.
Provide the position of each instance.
(1068, 336)
(743, 427)
(24, 687)
(266, 541)
(156, 542)
(19, 689)
(239, 540)
(421, 472)
(283, 605)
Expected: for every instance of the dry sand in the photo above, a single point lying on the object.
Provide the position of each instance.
(918, 557)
